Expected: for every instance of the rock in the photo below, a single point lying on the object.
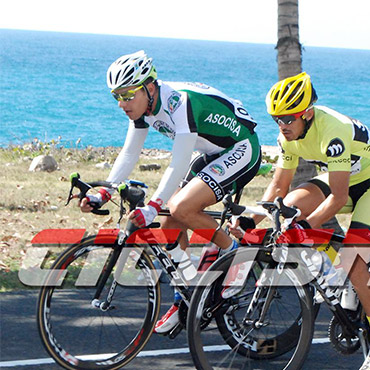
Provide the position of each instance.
(43, 163)
(150, 167)
(103, 165)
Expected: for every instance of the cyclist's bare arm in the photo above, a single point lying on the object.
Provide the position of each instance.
(278, 187)
(339, 185)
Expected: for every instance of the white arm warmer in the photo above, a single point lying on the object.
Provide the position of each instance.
(129, 154)
(182, 151)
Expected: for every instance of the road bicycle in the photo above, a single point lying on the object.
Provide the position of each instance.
(101, 299)
(272, 313)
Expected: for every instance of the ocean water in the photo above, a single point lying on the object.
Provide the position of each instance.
(53, 84)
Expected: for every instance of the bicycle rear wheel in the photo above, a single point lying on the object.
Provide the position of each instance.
(284, 338)
(81, 335)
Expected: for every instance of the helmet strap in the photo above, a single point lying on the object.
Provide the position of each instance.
(308, 124)
(149, 108)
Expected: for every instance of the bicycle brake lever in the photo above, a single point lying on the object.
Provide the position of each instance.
(70, 196)
(287, 212)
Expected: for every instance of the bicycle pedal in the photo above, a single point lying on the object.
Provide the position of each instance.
(173, 333)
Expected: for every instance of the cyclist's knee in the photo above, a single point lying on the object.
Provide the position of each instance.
(177, 210)
(307, 197)
(182, 211)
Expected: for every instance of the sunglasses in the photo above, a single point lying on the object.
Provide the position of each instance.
(127, 95)
(289, 119)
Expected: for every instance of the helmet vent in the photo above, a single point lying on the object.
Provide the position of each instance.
(126, 69)
(124, 61)
(293, 95)
(130, 72)
(117, 77)
(125, 82)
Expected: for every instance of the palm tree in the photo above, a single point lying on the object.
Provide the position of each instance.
(289, 48)
(289, 64)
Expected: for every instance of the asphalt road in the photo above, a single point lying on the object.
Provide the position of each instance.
(21, 348)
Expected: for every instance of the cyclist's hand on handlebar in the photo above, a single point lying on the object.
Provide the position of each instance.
(84, 205)
(235, 229)
(238, 226)
(92, 201)
(144, 216)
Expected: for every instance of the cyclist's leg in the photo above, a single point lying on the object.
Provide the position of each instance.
(168, 222)
(358, 203)
(188, 206)
(228, 172)
(359, 273)
(307, 197)
(195, 167)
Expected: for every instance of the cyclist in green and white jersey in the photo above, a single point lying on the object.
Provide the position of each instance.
(340, 145)
(196, 117)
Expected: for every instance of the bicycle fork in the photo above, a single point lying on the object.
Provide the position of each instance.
(261, 295)
(106, 304)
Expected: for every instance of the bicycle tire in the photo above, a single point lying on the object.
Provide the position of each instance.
(284, 348)
(79, 336)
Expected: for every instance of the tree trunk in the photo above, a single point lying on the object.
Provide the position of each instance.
(288, 45)
(289, 64)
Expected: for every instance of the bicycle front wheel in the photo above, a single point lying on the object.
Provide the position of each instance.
(80, 332)
(237, 338)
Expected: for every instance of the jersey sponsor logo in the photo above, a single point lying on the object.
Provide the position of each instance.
(335, 148)
(287, 158)
(164, 128)
(341, 160)
(236, 155)
(174, 101)
(360, 131)
(220, 119)
(217, 169)
(367, 149)
(217, 190)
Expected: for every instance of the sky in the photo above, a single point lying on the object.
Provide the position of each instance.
(327, 23)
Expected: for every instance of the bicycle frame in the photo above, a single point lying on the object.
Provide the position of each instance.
(349, 327)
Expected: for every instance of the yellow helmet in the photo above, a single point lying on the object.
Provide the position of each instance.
(292, 95)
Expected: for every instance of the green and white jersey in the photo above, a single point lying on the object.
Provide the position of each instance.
(197, 118)
(219, 121)
(334, 142)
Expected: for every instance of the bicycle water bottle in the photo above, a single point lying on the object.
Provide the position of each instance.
(349, 299)
(209, 255)
(185, 265)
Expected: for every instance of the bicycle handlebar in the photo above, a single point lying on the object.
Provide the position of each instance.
(272, 210)
(131, 192)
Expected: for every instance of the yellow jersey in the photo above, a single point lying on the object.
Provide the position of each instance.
(334, 142)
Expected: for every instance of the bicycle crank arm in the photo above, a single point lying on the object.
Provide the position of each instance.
(176, 331)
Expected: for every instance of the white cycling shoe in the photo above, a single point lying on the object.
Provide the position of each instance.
(168, 321)
(235, 279)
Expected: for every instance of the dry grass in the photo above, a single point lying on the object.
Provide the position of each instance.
(34, 201)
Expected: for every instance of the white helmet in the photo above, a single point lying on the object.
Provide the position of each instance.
(130, 70)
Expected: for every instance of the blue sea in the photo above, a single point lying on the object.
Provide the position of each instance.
(54, 84)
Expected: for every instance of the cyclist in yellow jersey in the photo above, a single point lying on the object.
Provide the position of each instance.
(338, 144)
